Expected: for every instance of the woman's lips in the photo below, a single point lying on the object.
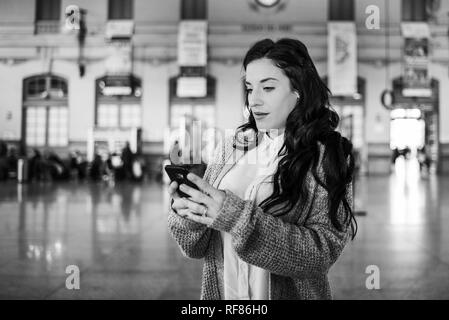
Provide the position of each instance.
(260, 114)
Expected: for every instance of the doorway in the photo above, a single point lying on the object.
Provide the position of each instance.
(407, 139)
(414, 122)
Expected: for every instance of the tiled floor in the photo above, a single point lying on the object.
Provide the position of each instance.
(118, 238)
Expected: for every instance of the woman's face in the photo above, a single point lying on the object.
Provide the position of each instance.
(270, 96)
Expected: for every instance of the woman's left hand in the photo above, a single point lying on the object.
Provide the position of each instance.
(205, 204)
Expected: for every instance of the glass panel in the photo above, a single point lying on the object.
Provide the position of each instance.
(36, 86)
(178, 112)
(58, 88)
(130, 115)
(35, 126)
(206, 114)
(107, 115)
(31, 89)
(57, 126)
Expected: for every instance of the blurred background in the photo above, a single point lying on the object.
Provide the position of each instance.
(97, 96)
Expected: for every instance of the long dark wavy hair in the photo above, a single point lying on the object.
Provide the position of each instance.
(311, 121)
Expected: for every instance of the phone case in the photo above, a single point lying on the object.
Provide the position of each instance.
(179, 174)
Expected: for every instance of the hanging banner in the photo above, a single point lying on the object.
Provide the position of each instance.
(342, 58)
(192, 43)
(416, 79)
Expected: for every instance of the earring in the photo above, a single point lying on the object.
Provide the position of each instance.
(297, 95)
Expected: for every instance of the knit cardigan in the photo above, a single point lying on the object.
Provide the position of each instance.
(297, 249)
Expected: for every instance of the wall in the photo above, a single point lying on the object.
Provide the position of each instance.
(155, 98)
(17, 11)
(229, 99)
(238, 11)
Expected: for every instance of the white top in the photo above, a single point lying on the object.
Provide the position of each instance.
(249, 179)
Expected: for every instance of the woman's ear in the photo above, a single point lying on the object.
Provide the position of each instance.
(297, 95)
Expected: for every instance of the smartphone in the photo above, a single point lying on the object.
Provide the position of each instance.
(179, 174)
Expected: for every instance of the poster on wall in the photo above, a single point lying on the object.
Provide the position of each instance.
(192, 43)
(192, 52)
(416, 79)
(342, 58)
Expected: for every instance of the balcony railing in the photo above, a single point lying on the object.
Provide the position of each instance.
(47, 26)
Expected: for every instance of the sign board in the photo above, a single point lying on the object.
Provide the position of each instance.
(342, 58)
(192, 43)
(191, 87)
(416, 79)
(122, 29)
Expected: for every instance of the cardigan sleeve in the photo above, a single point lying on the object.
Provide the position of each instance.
(193, 237)
(280, 247)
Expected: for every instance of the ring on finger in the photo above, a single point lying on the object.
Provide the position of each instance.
(203, 214)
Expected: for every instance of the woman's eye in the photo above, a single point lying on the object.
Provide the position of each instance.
(268, 88)
(249, 90)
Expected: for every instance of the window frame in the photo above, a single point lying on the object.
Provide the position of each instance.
(193, 10)
(417, 11)
(338, 11)
(46, 102)
(119, 10)
(44, 7)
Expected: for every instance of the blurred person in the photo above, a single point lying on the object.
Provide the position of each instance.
(57, 169)
(395, 154)
(115, 167)
(424, 159)
(3, 161)
(138, 167)
(78, 164)
(37, 167)
(407, 152)
(3, 149)
(12, 160)
(127, 159)
(96, 168)
(274, 229)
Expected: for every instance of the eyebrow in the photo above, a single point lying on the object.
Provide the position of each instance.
(263, 80)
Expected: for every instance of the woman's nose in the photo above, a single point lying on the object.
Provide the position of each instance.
(254, 99)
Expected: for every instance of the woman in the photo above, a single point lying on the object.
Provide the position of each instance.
(271, 229)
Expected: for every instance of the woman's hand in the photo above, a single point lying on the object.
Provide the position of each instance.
(203, 205)
(178, 204)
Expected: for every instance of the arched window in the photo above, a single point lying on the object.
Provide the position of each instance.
(118, 102)
(45, 121)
